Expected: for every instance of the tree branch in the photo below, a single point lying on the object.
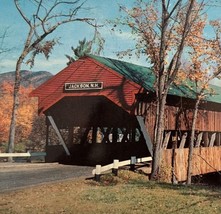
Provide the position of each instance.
(21, 12)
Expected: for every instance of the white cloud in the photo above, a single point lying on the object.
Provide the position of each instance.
(216, 82)
(7, 65)
(124, 35)
(53, 65)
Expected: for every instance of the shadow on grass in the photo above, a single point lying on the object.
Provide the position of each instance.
(210, 192)
(185, 207)
(202, 194)
(142, 181)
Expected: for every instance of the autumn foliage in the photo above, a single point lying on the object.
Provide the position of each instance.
(30, 128)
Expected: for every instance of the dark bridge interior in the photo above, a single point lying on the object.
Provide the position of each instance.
(95, 130)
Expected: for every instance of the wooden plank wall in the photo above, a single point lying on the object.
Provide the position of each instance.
(205, 160)
(207, 120)
(178, 118)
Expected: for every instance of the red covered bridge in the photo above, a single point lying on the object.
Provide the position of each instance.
(99, 109)
(91, 108)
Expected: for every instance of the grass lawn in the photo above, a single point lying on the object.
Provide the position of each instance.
(127, 193)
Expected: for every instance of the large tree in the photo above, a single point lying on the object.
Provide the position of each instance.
(165, 32)
(42, 19)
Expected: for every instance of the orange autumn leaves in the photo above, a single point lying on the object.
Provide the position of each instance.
(27, 112)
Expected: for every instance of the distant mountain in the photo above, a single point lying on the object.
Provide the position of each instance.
(34, 78)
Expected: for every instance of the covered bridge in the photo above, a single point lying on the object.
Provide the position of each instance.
(99, 109)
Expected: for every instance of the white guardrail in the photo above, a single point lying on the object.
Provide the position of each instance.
(27, 154)
(116, 164)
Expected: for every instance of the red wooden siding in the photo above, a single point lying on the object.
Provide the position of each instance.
(115, 87)
(179, 119)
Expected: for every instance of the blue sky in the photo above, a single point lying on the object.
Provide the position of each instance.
(69, 35)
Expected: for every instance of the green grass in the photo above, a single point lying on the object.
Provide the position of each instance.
(127, 193)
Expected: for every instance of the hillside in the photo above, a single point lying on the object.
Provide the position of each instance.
(27, 77)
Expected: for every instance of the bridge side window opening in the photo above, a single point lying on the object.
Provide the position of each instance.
(53, 138)
(79, 135)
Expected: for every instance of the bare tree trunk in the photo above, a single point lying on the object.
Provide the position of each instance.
(11, 143)
(158, 138)
(191, 145)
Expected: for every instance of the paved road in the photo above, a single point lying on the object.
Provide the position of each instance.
(20, 175)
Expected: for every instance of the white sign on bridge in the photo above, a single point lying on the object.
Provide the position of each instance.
(83, 86)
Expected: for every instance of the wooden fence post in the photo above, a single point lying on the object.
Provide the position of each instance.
(28, 160)
(115, 167)
(132, 163)
(98, 173)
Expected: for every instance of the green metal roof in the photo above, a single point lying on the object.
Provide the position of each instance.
(145, 77)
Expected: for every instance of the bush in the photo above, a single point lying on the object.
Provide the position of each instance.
(124, 176)
(127, 175)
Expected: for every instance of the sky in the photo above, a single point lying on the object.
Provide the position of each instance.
(69, 35)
